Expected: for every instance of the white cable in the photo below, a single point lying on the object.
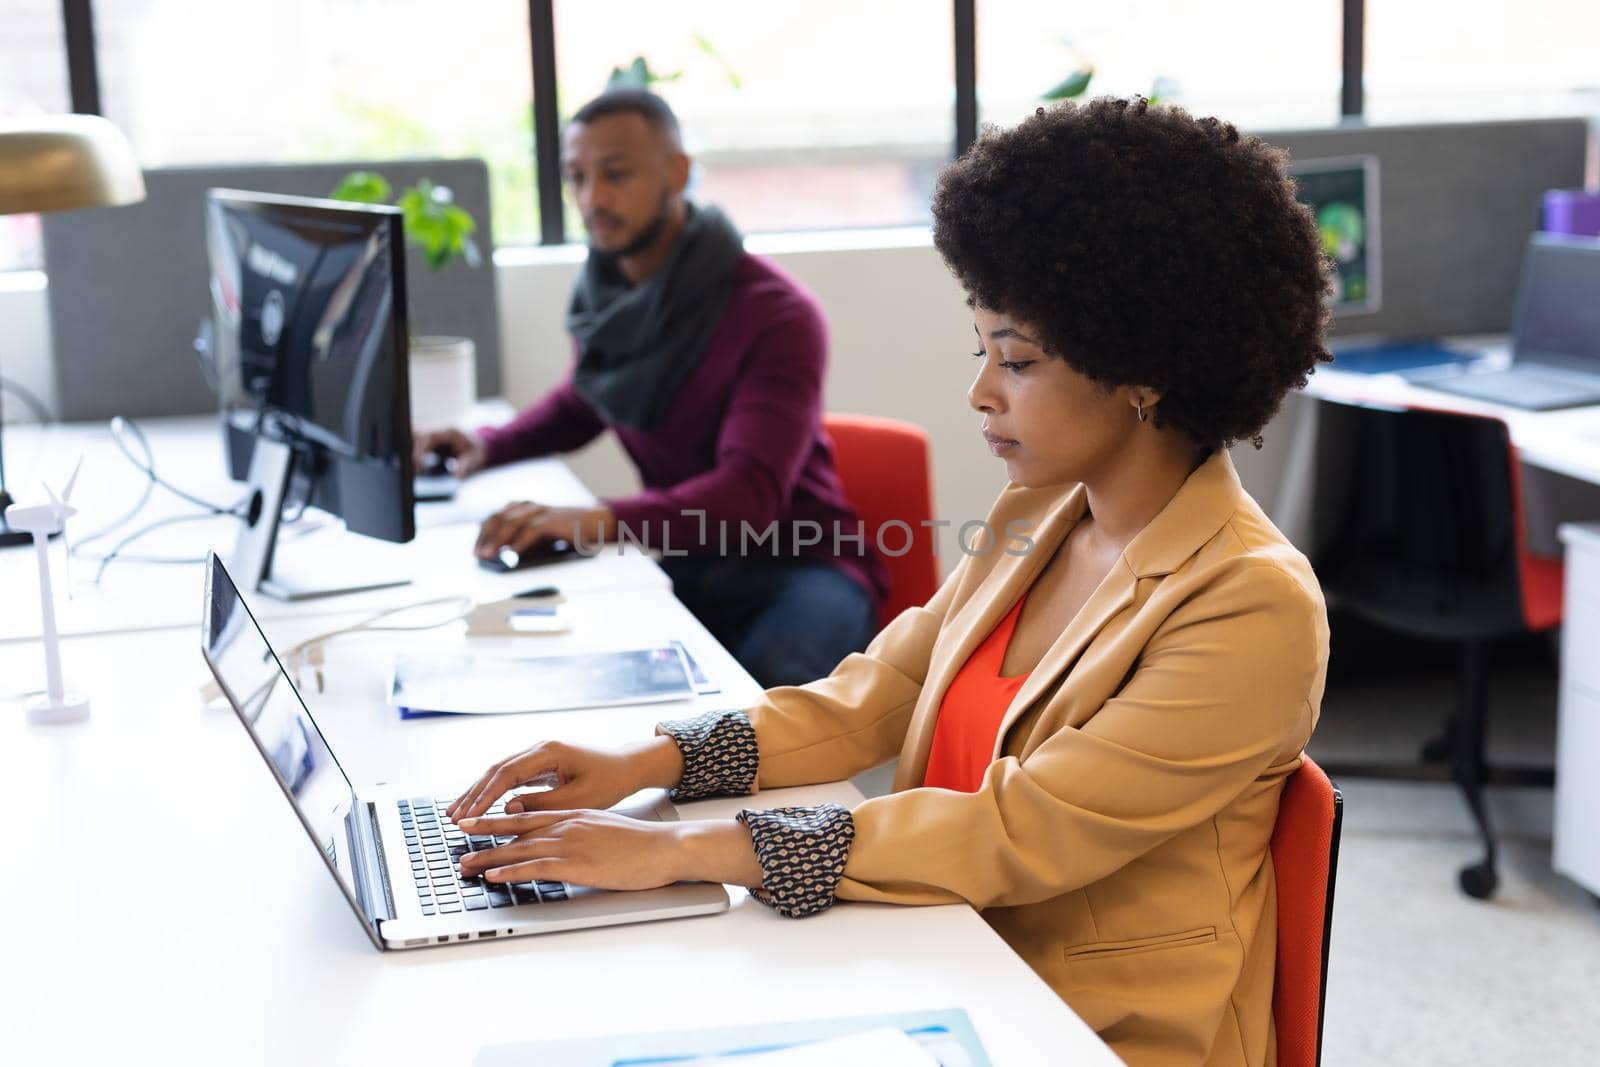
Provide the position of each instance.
(311, 647)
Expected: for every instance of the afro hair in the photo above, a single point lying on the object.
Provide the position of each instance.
(1145, 247)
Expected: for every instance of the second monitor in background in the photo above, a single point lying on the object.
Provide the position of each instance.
(308, 359)
(1343, 197)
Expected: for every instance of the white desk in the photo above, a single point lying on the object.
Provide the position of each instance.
(1559, 450)
(139, 596)
(166, 905)
(1566, 441)
(1575, 845)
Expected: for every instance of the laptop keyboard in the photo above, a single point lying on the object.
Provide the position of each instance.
(1520, 387)
(435, 846)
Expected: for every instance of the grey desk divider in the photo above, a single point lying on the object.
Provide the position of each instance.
(127, 285)
(1456, 204)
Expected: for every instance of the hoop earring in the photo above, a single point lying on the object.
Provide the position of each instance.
(1141, 415)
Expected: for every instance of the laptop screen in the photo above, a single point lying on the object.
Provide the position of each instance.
(1558, 303)
(270, 708)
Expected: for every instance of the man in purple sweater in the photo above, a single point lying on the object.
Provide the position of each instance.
(707, 362)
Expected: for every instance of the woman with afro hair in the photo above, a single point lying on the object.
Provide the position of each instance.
(1095, 714)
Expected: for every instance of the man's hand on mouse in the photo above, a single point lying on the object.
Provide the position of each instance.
(462, 452)
(523, 524)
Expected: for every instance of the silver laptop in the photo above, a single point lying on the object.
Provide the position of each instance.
(1555, 333)
(395, 855)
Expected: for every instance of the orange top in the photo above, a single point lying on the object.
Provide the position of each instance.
(970, 713)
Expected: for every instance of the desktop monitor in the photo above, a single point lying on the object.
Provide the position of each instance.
(308, 355)
(1343, 196)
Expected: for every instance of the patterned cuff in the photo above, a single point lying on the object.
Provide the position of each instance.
(720, 757)
(802, 852)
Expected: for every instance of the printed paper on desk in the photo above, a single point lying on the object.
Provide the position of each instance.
(501, 685)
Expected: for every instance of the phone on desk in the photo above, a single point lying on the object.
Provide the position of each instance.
(548, 551)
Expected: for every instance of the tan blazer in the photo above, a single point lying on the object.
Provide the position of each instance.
(1119, 840)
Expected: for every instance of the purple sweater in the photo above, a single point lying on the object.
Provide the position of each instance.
(742, 441)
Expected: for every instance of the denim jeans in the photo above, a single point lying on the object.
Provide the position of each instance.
(787, 622)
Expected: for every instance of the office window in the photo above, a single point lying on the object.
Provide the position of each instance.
(33, 81)
(234, 81)
(1468, 59)
(827, 114)
(1261, 64)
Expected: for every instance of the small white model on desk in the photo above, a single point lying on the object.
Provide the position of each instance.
(43, 520)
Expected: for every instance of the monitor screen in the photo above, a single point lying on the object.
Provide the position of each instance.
(1558, 302)
(310, 345)
(1343, 197)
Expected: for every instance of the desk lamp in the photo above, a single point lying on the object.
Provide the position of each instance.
(60, 163)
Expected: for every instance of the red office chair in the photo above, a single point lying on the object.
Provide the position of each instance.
(884, 466)
(1305, 857)
(1417, 525)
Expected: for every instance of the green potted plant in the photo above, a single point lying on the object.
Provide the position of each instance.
(638, 75)
(443, 369)
(1076, 84)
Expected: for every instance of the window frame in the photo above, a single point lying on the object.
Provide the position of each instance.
(83, 76)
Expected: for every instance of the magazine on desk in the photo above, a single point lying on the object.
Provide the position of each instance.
(476, 684)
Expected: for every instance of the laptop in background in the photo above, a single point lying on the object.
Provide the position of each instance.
(395, 856)
(1555, 333)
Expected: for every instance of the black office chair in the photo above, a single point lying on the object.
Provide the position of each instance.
(1416, 525)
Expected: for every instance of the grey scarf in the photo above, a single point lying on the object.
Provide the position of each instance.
(639, 344)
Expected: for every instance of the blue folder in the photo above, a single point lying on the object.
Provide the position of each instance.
(1394, 357)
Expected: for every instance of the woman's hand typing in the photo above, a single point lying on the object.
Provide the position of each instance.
(578, 777)
(605, 850)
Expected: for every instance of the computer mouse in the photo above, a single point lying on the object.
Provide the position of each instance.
(556, 548)
(435, 464)
(433, 481)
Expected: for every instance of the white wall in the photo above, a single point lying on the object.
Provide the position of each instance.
(901, 346)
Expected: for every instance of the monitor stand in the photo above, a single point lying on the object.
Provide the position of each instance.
(8, 536)
(255, 561)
